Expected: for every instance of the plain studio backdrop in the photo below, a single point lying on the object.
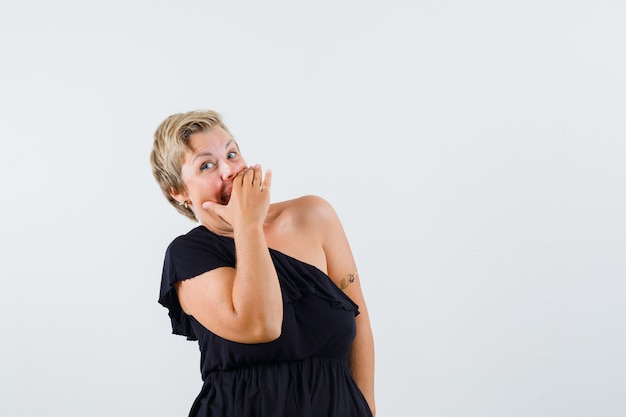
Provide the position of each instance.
(475, 152)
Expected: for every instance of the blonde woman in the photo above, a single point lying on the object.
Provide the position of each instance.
(269, 290)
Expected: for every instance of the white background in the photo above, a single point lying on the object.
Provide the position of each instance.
(475, 151)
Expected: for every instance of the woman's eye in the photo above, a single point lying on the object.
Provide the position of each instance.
(232, 154)
(206, 165)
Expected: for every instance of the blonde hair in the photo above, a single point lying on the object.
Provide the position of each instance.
(171, 142)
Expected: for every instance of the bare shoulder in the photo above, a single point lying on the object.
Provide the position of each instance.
(313, 203)
(300, 227)
(304, 211)
(314, 216)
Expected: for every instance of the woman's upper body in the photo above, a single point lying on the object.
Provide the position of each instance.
(201, 171)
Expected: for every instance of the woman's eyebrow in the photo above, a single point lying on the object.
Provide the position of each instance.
(201, 154)
(209, 153)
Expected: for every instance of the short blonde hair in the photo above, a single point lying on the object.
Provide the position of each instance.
(171, 142)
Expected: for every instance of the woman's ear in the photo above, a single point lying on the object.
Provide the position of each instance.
(180, 197)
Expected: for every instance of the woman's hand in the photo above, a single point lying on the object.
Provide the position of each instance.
(249, 201)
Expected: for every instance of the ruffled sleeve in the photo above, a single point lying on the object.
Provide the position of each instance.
(187, 257)
(299, 278)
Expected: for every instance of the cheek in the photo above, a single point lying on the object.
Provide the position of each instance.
(201, 189)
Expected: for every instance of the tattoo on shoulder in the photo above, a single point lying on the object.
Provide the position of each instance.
(347, 280)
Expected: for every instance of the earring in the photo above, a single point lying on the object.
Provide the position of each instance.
(183, 204)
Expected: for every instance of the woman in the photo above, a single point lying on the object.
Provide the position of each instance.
(270, 291)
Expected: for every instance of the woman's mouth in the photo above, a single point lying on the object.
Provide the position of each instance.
(225, 198)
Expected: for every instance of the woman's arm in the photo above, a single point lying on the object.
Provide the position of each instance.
(362, 356)
(342, 270)
(242, 304)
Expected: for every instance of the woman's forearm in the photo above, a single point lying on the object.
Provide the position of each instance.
(362, 359)
(257, 299)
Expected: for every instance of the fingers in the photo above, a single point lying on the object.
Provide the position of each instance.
(253, 176)
(214, 207)
(247, 175)
(257, 175)
(267, 181)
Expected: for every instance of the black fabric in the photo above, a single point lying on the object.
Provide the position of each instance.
(304, 373)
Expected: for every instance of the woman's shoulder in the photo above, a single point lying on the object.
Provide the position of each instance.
(309, 214)
(298, 227)
(303, 208)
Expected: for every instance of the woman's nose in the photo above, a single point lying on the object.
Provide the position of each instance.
(228, 171)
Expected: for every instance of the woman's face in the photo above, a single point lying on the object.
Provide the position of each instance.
(209, 168)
